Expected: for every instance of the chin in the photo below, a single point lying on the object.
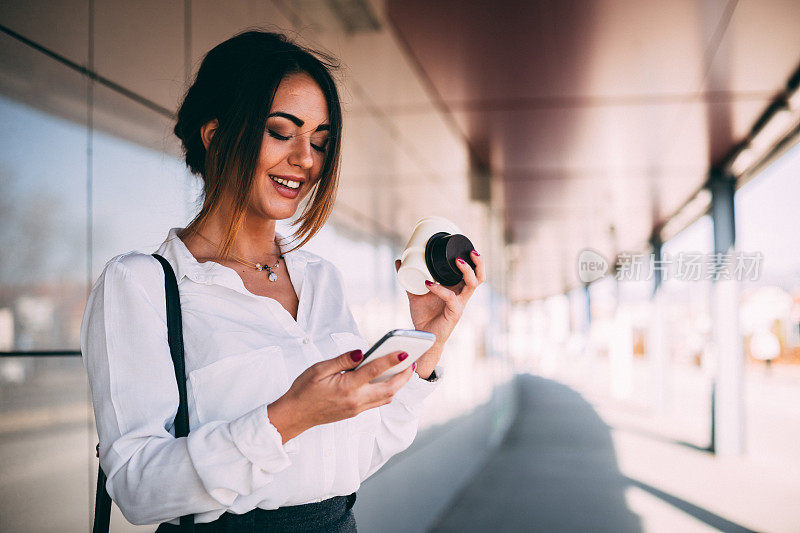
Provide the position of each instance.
(279, 213)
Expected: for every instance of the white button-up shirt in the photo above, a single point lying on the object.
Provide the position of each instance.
(242, 352)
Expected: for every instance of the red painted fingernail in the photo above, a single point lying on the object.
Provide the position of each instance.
(402, 356)
(460, 260)
(413, 367)
(356, 355)
(476, 253)
(428, 283)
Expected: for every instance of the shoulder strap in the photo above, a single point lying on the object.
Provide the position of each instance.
(102, 502)
(102, 512)
(175, 338)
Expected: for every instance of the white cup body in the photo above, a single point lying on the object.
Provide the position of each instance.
(413, 271)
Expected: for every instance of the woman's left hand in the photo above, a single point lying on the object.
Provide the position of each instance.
(439, 311)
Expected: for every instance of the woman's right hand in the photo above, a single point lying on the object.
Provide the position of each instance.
(324, 393)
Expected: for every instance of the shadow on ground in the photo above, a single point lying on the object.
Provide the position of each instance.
(556, 470)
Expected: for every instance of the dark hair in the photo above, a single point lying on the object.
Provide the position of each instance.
(236, 84)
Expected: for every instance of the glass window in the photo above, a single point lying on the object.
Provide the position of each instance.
(140, 187)
(43, 219)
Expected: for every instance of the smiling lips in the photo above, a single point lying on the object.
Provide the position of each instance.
(291, 182)
(287, 186)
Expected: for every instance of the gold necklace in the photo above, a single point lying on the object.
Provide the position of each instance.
(272, 276)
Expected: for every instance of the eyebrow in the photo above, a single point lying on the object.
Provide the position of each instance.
(297, 121)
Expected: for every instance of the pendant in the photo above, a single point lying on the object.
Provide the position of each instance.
(273, 276)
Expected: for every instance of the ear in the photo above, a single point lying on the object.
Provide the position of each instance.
(207, 131)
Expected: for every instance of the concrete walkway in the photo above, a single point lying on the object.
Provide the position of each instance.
(558, 470)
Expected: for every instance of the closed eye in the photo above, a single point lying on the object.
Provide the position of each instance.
(276, 135)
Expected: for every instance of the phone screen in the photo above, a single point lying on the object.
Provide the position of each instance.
(413, 342)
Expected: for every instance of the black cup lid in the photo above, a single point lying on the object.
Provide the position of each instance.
(441, 252)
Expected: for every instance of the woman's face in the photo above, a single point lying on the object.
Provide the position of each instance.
(293, 148)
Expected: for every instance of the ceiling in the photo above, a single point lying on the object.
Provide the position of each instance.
(598, 119)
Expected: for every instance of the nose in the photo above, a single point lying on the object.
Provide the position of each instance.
(301, 155)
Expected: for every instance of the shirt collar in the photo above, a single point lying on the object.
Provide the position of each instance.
(185, 265)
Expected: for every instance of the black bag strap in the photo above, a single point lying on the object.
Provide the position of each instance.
(102, 502)
(175, 338)
(102, 513)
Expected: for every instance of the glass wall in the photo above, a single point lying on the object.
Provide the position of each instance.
(766, 225)
(44, 204)
(45, 416)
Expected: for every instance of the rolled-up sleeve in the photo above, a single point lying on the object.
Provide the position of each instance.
(152, 476)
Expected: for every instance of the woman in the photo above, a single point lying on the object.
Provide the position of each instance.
(280, 435)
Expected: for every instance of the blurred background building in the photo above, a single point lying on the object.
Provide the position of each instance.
(657, 140)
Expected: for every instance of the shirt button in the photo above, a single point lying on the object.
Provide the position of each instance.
(306, 340)
(328, 453)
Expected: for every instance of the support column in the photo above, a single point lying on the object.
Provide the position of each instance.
(587, 324)
(658, 274)
(658, 351)
(589, 353)
(728, 402)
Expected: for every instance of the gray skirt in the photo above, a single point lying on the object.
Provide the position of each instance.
(333, 515)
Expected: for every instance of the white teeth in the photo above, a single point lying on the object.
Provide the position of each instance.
(286, 183)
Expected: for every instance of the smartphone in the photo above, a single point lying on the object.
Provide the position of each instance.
(411, 341)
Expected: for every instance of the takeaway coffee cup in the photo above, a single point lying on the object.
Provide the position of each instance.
(431, 254)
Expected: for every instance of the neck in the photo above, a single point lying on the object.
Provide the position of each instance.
(255, 240)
